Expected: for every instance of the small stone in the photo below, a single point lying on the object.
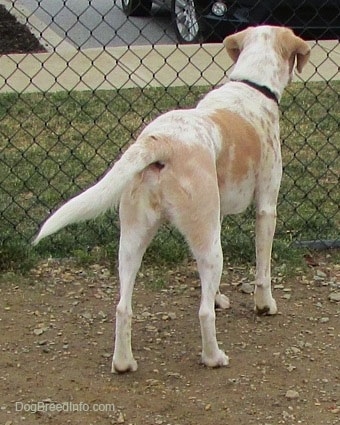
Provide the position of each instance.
(102, 315)
(208, 407)
(334, 296)
(318, 278)
(324, 319)
(247, 288)
(174, 374)
(321, 274)
(172, 315)
(38, 331)
(292, 394)
(87, 315)
(120, 418)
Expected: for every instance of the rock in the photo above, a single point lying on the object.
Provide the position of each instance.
(324, 319)
(222, 301)
(87, 315)
(247, 288)
(334, 296)
(295, 350)
(38, 331)
(292, 394)
(120, 418)
(102, 315)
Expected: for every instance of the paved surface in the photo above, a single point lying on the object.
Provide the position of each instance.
(94, 23)
(67, 68)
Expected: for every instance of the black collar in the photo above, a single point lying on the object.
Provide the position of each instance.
(262, 89)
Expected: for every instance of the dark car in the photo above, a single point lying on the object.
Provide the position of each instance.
(210, 20)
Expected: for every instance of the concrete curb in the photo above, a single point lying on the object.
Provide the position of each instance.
(140, 66)
(112, 68)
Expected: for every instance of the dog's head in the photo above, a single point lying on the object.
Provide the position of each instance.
(266, 41)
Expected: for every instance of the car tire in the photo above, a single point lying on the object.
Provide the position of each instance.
(186, 21)
(137, 7)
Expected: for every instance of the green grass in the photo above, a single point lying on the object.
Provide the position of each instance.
(54, 145)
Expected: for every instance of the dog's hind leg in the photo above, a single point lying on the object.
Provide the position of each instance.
(209, 263)
(197, 216)
(138, 226)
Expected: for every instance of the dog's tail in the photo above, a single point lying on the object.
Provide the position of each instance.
(106, 193)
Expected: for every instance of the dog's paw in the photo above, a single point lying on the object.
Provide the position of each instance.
(264, 301)
(269, 308)
(222, 301)
(124, 366)
(218, 360)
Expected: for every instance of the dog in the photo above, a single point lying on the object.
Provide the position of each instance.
(192, 167)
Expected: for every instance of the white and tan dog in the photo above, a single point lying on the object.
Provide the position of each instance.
(192, 167)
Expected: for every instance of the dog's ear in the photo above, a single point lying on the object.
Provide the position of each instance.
(302, 54)
(234, 44)
(294, 47)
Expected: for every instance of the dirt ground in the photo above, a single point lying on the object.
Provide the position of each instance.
(57, 338)
(15, 37)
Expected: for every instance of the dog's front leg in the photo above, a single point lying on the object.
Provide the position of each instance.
(265, 228)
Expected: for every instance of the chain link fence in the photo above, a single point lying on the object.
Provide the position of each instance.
(103, 69)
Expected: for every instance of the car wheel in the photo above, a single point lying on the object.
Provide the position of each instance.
(186, 21)
(136, 7)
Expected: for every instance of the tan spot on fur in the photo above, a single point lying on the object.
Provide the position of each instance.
(188, 186)
(241, 146)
